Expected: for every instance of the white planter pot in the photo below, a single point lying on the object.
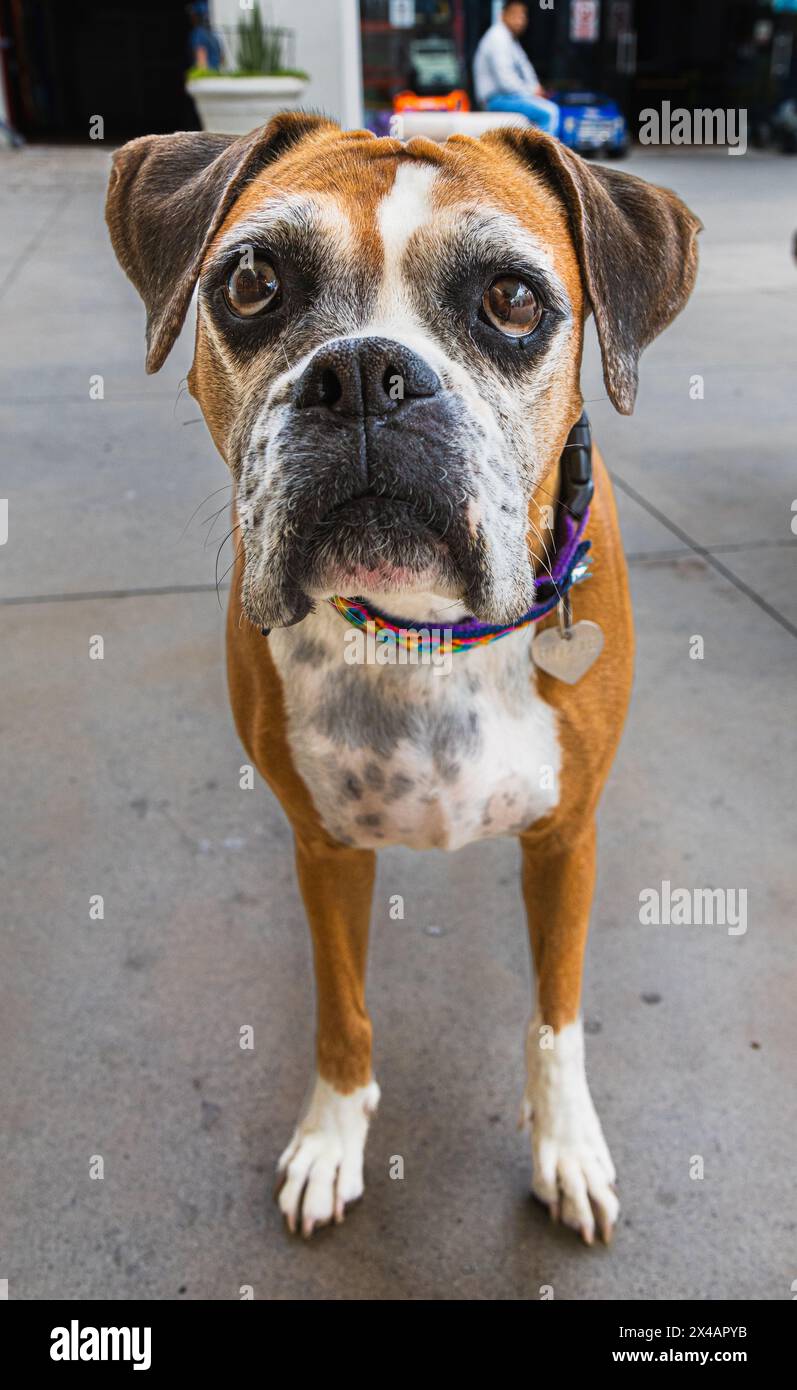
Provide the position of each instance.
(236, 105)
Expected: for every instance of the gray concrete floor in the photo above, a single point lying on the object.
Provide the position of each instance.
(120, 1038)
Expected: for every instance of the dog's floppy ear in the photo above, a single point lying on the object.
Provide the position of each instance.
(167, 197)
(636, 245)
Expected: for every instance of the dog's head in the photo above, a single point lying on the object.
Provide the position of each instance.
(389, 338)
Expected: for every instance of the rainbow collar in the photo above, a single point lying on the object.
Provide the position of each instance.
(570, 567)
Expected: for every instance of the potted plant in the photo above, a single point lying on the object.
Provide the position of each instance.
(236, 100)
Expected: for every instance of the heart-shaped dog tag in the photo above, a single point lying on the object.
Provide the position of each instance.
(567, 655)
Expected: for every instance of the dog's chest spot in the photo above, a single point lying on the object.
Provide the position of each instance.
(406, 756)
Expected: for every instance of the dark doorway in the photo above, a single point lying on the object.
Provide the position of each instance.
(68, 62)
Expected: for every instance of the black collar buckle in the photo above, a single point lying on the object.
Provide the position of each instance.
(575, 469)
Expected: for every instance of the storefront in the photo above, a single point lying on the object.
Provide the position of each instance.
(726, 53)
(66, 60)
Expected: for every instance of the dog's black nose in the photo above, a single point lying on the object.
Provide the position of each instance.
(364, 376)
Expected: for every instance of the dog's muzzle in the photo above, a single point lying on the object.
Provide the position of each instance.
(372, 452)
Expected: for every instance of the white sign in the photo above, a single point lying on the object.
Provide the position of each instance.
(402, 14)
(584, 20)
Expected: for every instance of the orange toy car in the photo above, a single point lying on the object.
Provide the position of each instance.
(452, 101)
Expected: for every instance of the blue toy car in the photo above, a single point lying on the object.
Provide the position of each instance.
(592, 124)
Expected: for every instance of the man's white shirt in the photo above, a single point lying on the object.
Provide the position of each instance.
(501, 66)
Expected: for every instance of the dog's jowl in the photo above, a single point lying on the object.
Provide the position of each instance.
(388, 349)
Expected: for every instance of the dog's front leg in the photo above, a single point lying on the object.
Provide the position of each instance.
(573, 1171)
(322, 1168)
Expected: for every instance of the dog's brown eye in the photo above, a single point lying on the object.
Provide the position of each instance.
(511, 305)
(251, 287)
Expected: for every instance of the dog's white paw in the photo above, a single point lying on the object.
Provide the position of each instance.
(321, 1170)
(573, 1170)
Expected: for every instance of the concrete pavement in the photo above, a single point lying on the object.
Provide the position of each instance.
(119, 1037)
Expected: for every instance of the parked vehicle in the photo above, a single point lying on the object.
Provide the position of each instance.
(592, 124)
(457, 100)
(434, 67)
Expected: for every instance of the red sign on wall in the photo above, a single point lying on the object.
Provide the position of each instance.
(584, 20)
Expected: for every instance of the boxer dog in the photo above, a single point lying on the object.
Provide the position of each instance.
(388, 348)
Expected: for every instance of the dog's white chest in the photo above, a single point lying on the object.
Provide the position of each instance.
(414, 755)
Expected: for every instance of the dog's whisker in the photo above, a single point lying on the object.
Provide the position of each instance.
(209, 520)
(558, 500)
(231, 532)
(182, 387)
(215, 493)
(236, 557)
(541, 539)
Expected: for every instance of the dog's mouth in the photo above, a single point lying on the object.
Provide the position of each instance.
(388, 540)
(381, 538)
(365, 542)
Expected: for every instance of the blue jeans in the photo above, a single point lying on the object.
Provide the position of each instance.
(539, 110)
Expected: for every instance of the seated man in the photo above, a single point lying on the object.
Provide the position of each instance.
(504, 78)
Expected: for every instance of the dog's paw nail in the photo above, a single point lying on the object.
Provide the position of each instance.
(321, 1171)
(585, 1202)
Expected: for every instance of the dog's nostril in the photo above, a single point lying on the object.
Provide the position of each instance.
(330, 389)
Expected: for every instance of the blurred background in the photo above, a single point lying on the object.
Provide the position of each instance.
(66, 59)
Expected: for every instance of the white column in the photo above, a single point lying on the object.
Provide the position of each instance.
(351, 67)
